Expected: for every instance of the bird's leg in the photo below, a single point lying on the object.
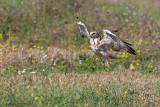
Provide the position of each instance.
(107, 63)
(102, 62)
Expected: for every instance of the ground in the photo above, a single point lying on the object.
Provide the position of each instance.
(45, 62)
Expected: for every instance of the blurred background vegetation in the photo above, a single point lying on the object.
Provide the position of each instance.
(41, 37)
(30, 26)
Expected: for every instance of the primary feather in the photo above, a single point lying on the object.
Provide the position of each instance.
(83, 29)
(115, 43)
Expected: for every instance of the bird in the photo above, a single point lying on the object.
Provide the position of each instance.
(98, 45)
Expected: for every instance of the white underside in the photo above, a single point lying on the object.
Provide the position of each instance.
(99, 51)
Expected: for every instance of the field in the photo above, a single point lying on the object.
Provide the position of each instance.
(44, 61)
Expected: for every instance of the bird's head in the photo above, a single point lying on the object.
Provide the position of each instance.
(94, 34)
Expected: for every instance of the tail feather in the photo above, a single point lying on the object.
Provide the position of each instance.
(130, 50)
(127, 43)
(113, 31)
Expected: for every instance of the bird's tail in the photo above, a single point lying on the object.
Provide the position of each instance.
(130, 50)
(127, 43)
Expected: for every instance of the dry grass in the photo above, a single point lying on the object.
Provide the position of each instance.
(51, 28)
(142, 86)
(10, 54)
(30, 27)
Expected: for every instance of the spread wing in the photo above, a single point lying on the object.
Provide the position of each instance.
(83, 29)
(113, 36)
(115, 42)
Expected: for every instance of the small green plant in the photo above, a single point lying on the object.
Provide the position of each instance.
(88, 63)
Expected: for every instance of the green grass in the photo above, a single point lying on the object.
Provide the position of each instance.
(37, 23)
(86, 64)
(77, 90)
(43, 56)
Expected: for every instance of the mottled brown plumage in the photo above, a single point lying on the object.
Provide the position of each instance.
(115, 43)
(98, 45)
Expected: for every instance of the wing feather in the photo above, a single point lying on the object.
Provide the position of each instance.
(113, 36)
(83, 29)
(115, 42)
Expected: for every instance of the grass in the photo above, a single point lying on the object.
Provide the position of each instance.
(45, 62)
(81, 89)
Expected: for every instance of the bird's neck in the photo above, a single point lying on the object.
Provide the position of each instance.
(94, 41)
